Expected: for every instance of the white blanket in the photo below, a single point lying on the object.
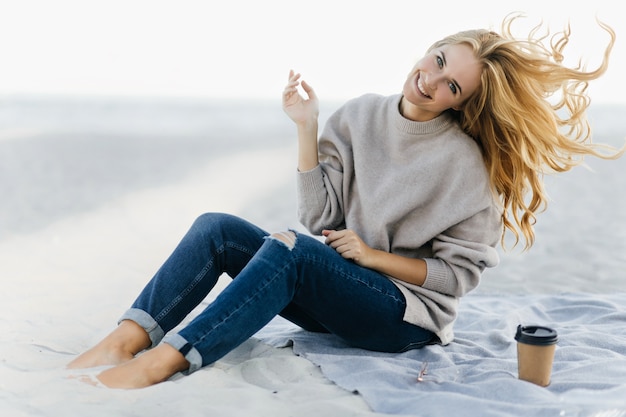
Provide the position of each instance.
(476, 375)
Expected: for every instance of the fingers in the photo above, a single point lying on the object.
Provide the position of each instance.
(292, 84)
(330, 235)
(347, 250)
(346, 243)
(294, 81)
(308, 89)
(337, 238)
(293, 76)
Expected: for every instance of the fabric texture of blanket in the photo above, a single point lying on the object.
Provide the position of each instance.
(476, 375)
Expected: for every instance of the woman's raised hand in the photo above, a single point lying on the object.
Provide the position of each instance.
(300, 109)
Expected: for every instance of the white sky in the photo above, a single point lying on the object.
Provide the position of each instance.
(245, 48)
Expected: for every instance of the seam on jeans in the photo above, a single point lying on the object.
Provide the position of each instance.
(197, 279)
(236, 246)
(200, 276)
(418, 345)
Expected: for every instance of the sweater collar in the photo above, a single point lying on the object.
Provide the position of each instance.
(411, 127)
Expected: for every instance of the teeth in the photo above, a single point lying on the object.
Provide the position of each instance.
(420, 86)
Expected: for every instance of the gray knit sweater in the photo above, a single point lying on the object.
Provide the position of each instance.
(416, 189)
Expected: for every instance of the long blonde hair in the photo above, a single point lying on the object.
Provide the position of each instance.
(522, 134)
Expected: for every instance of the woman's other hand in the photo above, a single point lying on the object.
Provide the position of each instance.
(349, 245)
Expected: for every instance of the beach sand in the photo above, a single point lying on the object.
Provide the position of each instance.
(68, 273)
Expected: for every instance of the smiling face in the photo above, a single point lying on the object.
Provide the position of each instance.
(441, 80)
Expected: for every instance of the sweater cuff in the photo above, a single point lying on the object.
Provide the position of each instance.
(436, 276)
(311, 181)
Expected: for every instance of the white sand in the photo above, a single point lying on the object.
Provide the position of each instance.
(64, 288)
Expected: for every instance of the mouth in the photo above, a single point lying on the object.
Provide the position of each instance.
(420, 86)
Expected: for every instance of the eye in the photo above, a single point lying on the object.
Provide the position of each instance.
(439, 62)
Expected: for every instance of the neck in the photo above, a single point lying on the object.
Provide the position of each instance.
(412, 112)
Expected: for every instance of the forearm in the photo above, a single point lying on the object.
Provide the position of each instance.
(307, 146)
(405, 269)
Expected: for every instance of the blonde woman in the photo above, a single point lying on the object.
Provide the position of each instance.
(412, 193)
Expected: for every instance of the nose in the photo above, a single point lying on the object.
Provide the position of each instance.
(430, 81)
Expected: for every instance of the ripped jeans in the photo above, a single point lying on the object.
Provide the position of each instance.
(288, 274)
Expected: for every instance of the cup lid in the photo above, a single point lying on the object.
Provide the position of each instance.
(536, 335)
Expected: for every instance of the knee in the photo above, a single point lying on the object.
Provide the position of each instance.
(212, 220)
(288, 238)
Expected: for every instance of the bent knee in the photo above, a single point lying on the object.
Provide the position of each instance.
(288, 238)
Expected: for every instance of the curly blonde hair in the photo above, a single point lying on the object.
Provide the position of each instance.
(521, 133)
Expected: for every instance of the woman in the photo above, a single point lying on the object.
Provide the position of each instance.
(412, 193)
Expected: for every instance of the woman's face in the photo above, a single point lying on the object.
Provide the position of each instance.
(443, 79)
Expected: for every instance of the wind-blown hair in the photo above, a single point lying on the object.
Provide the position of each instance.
(528, 116)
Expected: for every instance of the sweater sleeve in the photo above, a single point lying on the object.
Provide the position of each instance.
(320, 190)
(319, 204)
(461, 254)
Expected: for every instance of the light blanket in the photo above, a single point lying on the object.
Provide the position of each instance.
(476, 375)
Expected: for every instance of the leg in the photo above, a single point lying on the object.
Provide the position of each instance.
(357, 304)
(361, 306)
(215, 243)
(301, 274)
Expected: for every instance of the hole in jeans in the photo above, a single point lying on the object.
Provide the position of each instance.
(287, 238)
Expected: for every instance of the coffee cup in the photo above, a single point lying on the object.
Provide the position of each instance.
(535, 353)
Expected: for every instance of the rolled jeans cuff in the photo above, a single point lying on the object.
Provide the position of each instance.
(187, 350)
(143, 319)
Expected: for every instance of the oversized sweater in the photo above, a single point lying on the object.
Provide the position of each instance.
(416, 189)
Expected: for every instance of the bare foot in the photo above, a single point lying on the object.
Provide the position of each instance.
(99, 356)
(150, 368)
(120, 346)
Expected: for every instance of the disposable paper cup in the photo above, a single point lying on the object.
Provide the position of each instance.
(535, 353)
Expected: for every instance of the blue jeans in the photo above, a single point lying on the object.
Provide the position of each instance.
(308, 283)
